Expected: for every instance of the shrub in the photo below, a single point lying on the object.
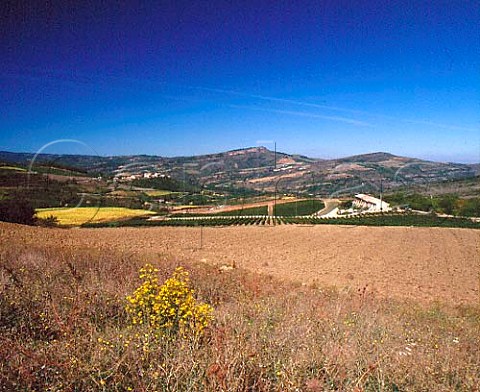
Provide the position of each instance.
(448, 203)
(469, 207)
(17, 211)
(170, 308)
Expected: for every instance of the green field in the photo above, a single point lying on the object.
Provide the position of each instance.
(80, 215)
(296, 208)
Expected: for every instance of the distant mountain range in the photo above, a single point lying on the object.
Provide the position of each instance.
(261, 169)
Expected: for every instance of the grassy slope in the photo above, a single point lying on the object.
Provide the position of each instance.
(64, 327)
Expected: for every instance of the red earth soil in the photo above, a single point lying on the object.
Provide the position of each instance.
(402, 262)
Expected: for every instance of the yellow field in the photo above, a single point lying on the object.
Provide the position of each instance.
(13, 168)
(77, 216)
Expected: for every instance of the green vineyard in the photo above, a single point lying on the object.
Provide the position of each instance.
(387, 219)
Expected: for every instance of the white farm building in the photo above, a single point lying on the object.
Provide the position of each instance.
(370, 203)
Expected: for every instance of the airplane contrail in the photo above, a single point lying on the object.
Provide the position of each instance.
(337, 108)
(304, 114)
(83, 80)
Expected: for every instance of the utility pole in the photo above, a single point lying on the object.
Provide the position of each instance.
(313, 191)
(275, 200)
(276, 184)
(243, 198)
(381, 194)
(275, 155)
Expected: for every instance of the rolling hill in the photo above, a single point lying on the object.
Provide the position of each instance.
(260, 169)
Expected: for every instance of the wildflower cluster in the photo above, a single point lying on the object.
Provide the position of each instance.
(168, 308)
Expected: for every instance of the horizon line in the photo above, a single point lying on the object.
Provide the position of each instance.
(239, 149)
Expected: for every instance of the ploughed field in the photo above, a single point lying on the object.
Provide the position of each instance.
(427, 264)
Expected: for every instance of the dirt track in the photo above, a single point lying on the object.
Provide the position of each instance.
(422, 263)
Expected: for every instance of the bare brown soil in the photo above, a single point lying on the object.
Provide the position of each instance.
(66, 178)
(235, 207)
(402, 262)
(276, 177)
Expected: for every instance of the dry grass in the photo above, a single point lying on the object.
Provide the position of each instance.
(158, 193)
(63, 326)
(80, 215)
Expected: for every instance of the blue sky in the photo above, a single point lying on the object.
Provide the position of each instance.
(321, 78)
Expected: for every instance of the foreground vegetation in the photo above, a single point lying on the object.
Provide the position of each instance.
(66, 324)
(80, 215)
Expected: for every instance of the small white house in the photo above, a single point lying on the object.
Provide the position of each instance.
(370, 203)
